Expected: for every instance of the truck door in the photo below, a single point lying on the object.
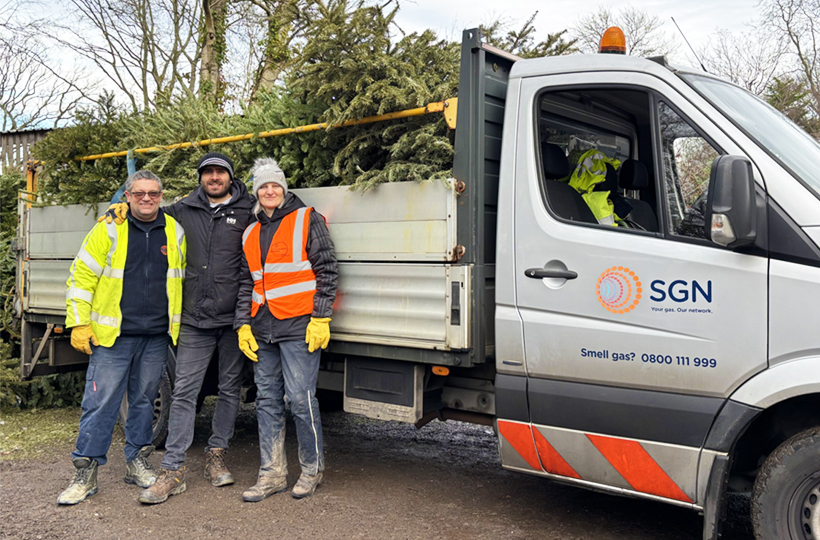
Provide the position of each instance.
(634, 334)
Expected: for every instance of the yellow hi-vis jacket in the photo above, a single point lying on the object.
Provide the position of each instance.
(591, 170)
(95, 285)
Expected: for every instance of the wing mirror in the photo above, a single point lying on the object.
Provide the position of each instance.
(731, 213)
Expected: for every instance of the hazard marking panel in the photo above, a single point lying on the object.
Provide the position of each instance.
(551, 460)
(519, 436)
(637, 467)
(647, 467)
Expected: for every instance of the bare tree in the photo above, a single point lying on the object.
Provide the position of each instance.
(150, 49)
(215, 13)
(278, 25)
(33, 92)
(750, 60)
(798, 21)
(643, 33)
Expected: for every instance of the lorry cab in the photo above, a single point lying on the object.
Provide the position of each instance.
(673, 352)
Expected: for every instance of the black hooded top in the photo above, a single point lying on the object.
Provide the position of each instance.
(214, 238)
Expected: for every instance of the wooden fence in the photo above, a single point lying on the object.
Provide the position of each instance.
(15, 148)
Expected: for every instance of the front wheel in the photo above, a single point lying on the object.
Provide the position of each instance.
(786, 497)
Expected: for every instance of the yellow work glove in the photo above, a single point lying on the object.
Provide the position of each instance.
(119, 211)
(318, 333)
(80, 337)
(247, 343)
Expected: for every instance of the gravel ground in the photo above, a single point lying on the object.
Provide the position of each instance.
(383, 480)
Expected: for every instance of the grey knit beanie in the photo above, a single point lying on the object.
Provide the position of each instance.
(266, 170)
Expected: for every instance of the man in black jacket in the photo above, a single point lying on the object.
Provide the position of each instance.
(214, 216)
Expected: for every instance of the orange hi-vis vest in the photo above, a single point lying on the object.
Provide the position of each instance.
(286, 281)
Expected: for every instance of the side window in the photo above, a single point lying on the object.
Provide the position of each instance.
(687, 161)
(591, 141)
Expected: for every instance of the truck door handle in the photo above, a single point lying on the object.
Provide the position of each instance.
(541, 273)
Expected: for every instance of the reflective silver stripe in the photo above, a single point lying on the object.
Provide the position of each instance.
(89, 261)
(287, 290)
(176, 319)
(313, 426)
(115, 273)
(287, 267)
(75, 293)
(176, 273)
(112, 235)
(180, 236)
(256, 275)
(248, 232)
(298, 228)
(76, 311)
(102, 320)
(258, 298)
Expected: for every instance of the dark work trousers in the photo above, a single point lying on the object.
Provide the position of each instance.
(196, 347)
(132, 363)
(288, 368)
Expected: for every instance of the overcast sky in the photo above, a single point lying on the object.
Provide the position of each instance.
(699, 19)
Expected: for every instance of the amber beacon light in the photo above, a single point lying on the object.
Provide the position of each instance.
(613, 41)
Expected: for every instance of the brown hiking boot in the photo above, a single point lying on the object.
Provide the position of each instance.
(169, 483)
(215, 469)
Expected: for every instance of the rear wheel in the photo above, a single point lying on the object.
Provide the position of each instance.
(786, 497)
(162, 409)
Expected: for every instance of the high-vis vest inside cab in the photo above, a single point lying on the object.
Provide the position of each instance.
(95, 284)
(286, 281)
(591, 170)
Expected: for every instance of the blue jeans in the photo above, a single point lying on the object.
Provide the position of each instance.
(287, 368)
(135, 363)
(195, 349)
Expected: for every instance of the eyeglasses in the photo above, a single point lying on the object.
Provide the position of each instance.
(139, 195)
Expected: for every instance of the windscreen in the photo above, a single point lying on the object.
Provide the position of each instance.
(783, 139)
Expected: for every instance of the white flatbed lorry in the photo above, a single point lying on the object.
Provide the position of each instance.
(673, 357)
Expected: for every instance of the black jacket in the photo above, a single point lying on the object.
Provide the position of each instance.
(322, 259)
(144, 302)
(214, 255)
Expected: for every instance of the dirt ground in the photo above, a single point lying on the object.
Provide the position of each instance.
(383, 481)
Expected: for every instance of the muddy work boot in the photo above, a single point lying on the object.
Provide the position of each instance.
(139, 471)
(168, 483)
(215, 469)
(305, 486)
(84, 484)
(266, 485)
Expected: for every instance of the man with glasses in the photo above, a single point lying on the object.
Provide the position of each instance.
(124, 301)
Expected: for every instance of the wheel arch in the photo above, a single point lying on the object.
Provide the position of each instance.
(768, 430)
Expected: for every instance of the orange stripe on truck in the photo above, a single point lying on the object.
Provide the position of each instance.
(637, 467)
(520, 438)
(551, 460)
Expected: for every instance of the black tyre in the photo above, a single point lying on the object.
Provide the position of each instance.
(162, 410)
(786, 497)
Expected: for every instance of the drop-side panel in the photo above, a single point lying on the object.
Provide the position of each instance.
(56, 232)
(415, 305)
(47, 286)
(401, 221)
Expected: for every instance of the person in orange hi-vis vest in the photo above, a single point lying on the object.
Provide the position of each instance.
(286, 294)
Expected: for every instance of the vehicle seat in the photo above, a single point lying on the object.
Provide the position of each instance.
(634, 176)
(563, 199)
(621, 205)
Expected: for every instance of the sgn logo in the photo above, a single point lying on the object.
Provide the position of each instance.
(619, 289)
(681, 291)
